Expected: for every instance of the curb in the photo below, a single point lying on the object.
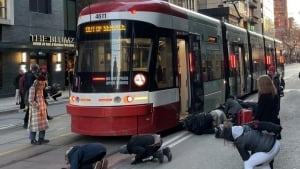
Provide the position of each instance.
(16, 108)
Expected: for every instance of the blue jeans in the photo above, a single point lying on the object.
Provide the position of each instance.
(32, 135)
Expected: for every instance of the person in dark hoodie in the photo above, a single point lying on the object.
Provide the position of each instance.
(88, 156)
(255, 147)
(232, 108)
(146, 147)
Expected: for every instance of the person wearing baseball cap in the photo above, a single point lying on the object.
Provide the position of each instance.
(271, 68)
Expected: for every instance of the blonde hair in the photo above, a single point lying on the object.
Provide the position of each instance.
(266, 85)
(227, 133)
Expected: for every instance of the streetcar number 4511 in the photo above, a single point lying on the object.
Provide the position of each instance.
(101, 15)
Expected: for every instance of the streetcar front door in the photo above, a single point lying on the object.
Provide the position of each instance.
(237, 75)
(190, 75)
(196, 75)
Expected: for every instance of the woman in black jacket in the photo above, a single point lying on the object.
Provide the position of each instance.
(268, 101)
(255, 147)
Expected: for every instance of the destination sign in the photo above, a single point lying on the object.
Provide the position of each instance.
(103, 28)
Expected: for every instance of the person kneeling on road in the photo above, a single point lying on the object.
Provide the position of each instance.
(88, 156)
(255, 147)
(146, 147)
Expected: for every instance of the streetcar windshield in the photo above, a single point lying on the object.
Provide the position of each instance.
(110, 54)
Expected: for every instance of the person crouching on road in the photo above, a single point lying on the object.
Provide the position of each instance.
(146, 147)
(37, 121)
(88, 156)
(255, 147)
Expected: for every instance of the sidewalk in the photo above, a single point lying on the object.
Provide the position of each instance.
(8, 104)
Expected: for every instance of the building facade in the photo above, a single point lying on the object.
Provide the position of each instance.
(36, 31)
(268, 17)
(281, 18)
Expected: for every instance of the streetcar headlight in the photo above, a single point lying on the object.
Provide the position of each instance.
(74, 99)
(128, 99)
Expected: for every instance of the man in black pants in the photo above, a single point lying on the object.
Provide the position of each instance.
(146, 147)
(30, 76)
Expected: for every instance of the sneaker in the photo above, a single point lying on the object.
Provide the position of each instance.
(43, 141)
(159, 155)
(218, 132)
(34, 142)
(167, 152)
(103, 164)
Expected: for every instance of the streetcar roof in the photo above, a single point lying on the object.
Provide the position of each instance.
(129, 5)
(162, 13)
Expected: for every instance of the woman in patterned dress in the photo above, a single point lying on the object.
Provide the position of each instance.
(37, 112)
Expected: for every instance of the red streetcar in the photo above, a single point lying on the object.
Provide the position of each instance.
(143, 65)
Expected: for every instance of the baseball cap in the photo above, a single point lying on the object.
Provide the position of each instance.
(271, 69)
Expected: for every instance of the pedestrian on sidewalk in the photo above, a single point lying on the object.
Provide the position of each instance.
(37, 121)
(22, 92)
(146, 147)
(16, 84)
(29, 78)
(88, 156)
(255, 147)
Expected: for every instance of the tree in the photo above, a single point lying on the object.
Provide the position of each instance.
(290, 41)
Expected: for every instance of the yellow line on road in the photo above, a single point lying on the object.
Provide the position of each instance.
(14, 150)
(27, 146)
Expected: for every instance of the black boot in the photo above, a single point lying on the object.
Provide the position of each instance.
(136, 161)
(278, 136)
(167, 152)
(34, 142)
(43, 141)
(271, 164)
(159, 155)
(25, 125)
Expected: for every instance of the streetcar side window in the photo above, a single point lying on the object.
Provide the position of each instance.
(212, 63)
(164, 67)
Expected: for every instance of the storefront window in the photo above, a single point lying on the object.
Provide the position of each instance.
(41, 6)
(3, 9)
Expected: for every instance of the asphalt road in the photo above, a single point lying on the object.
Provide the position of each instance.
(189, 151)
